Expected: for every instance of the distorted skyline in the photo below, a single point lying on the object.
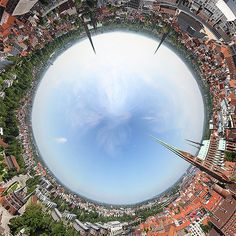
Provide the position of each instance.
(93, 116)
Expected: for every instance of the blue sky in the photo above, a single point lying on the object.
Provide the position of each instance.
(93, 116)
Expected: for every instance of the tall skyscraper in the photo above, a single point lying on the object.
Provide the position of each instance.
(19, 7)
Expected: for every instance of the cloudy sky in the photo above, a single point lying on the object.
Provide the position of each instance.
(93, 116)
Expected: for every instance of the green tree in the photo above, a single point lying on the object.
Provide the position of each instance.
(37, 223)
(230, 156)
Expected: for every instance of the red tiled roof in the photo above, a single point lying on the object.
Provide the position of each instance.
(3, 3)
(2, 189)
(232, 83)
(10, 21)
(34, 199)
(213, 201)
(224, 212)
(15, 163)
(3, 144)
(172, 231)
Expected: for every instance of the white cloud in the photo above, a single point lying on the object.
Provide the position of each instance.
(111, 137)
(61, 140)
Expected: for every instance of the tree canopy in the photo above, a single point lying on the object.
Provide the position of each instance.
(36, 223)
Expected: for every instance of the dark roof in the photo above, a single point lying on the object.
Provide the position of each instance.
(133, 4)
(224, 211)
(184, 19)
(1, 11)
(11, 5)
(213, 232)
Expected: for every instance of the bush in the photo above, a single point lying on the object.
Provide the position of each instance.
(230, 156)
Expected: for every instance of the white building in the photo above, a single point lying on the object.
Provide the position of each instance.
(56, 214)
(69, 216)
(114, 228)
(196, 229)
(80, 227)
(219, 14)
(23, 7)
(44, 199)
(228, 9)
(2, 94)
(7, 83)
(1, 131)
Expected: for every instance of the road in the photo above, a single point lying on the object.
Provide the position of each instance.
(5, 220)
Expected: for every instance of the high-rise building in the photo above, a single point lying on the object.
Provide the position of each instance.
(19, 7)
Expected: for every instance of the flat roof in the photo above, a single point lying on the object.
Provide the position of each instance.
(225, 9)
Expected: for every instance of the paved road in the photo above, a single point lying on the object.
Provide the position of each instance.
(5, 220)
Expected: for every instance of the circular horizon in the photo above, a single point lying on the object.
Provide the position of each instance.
(93, 117)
